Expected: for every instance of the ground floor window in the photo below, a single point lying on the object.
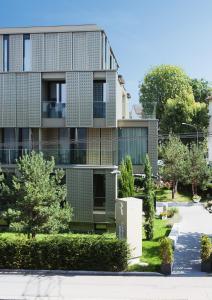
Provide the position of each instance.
(99, 191)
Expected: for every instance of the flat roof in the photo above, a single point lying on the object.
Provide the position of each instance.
(43, 29)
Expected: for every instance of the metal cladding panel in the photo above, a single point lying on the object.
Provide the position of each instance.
(72, 99)
(8, 100)
(86, 99)
(110, 197)
(51, 47)
(93, 54)
(79, 87)
(111, 78)
(153, 144)
(80, 194)
(37, 52)
(65, 51)
(22, 100)
(1, 53)
(34, 85)
(93, 146)
(79, 51)
(107, 146)
(16, 52)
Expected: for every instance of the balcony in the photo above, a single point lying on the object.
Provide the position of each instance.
(52, 109)
(99, 109)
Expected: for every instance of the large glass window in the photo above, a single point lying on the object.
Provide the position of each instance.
(133, 142)
(99, 191)
(99, 98)
(78, 144)
(26, 52)
(6, 52)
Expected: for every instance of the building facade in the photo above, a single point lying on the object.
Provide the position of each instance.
(60, 93)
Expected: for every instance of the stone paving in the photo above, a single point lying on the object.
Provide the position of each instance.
(195, 221)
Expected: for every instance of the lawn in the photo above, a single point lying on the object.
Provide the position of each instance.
(150, 249)
(165, 195)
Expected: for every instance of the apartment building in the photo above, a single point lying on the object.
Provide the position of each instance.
(60, 93)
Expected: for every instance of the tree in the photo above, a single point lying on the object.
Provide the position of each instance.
(126, 181)
(40, 204)
(197, 170)
(201, 89)
(149, 195)
(162, 83)
(174, 155)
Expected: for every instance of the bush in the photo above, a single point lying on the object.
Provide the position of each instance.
(166, 250)
(206, 248)
(63, 252)
(169, 213)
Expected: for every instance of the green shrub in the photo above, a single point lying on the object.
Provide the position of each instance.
(206, 248)
(166, 250)
(63, 252)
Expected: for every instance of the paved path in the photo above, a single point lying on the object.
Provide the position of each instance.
(55, 287)
(195, 221)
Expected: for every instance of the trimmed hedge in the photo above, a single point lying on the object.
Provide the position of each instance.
(63, 252)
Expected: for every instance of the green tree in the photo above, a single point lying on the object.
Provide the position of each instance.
(126, 180)
(162, 83)
(174, 155)
(149, 198)
(40, 204)
(201, 89)
(197, 170)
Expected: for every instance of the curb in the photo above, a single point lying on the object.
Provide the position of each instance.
(74, 273)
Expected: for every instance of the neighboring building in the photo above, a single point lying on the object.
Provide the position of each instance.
(60, 94)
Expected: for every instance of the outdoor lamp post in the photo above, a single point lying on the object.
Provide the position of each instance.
(195, 129)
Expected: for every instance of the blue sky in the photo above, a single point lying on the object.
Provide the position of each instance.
(142, 33)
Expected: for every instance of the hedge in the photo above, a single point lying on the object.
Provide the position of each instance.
(63, 252)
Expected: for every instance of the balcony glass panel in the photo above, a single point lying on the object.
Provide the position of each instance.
(99, 109)
(51, 109)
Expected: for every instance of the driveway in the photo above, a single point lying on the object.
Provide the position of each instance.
(195, 221)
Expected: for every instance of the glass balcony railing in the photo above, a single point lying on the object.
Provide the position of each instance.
(99, 109)
(52, 109)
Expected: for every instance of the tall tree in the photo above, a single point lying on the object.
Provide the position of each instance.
(174, 155)
(126, 180)
(201, 89)
(40, 204)
(197, 170)
(149, 195)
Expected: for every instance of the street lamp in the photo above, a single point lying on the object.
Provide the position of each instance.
(195, 129)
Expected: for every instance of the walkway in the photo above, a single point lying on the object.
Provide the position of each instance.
(195, 221)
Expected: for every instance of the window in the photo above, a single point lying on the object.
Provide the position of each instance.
(133, 142)
(26, 52)
(99, 191)
(6, 52)
(78, 145)
(57, 92)
(99, 98)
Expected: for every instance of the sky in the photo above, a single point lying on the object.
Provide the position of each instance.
(142, 34)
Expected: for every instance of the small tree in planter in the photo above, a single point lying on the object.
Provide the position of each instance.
(166, 255)
(206, 252)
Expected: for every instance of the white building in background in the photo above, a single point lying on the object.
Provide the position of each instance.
(210, 131)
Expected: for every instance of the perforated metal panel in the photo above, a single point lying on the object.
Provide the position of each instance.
(80, 193)
(111, 79)
(16, 52)
(1, 53)
(37, 52)
(8, 100)
(86, 50)
(34, 85)
(51, 57)
(65, 51)
(110, 197)
(107, 146)
(79, 86)
(93, 146)
(22, 100)
(153, 143)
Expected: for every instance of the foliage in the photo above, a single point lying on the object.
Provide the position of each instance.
(201, 89)
(126, 180)
(149, 195)
(40, 204)
(175, 154)
(162, 83)
(200, 116)
(166, 251)
(198, 174)
(206, 248)
(63, 252)
(169, 213)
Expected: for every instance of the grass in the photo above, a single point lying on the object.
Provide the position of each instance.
(165, 195)
(150, 249)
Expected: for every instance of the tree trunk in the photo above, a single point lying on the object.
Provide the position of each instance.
(193, 188)
(173, 189)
